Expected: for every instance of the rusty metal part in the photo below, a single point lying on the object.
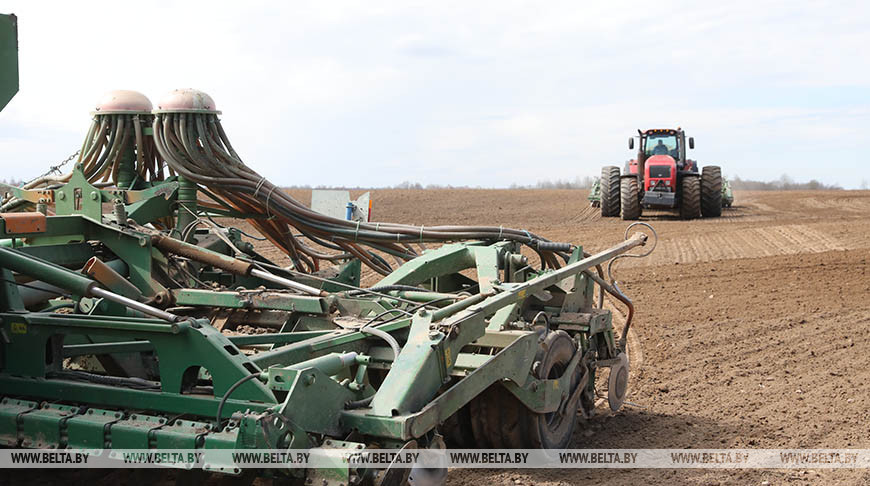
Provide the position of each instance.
(35, 196)
(123, 102)
(202, 255)
(618, 295)
(18, 223)
(99, 271)
(227, 263)
(186, 100)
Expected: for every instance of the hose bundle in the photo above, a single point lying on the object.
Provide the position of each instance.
(109, 141)
(116, 150)
(195, 145)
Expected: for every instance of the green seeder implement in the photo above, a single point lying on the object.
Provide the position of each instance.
(135, 313)
(594, 196)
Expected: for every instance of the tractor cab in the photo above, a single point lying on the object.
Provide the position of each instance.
(663, 142)
(660, 158)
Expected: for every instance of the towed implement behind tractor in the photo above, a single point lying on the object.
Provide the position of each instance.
(661, 177)
(727, 194)
(126, 308)
(594, 196)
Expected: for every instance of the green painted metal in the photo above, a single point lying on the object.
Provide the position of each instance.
(45, 271)
(186, 204)
(253, 299)
(88, 430)
(432, 264)
(594, 196)
(10, 412)
(8, 58)
(71, 255)
(288, 370)
(78, 196)
(45, 427)
(153, 203)
(127, 170)
(727, 193)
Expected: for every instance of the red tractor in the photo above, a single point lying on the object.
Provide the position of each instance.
(661, 177)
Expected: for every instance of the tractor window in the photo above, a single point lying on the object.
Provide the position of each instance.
(662, 144)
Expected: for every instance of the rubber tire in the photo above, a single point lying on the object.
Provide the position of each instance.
(690, 197)
(500, 420)
(711, 192)
(457, 430)
(629, 198)
(610, 191)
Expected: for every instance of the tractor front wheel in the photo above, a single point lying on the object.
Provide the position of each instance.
(690, 197)
(711, 192)
(610, 191)
(630, 198)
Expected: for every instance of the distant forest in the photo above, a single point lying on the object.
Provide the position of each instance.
(784, 183)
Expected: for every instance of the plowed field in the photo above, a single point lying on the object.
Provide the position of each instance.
(753, 330)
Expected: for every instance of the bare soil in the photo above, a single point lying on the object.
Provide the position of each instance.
(753, 329)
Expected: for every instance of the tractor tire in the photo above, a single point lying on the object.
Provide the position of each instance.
(690, 197)
(630, 198)
(711, 192)
(610, 191)
(500, 420)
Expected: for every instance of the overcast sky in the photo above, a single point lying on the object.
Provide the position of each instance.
(464, 93)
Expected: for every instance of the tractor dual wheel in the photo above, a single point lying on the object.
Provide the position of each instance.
(610, 191)
(690, 197)
(630, 198)
(500, 420)
(711, 192)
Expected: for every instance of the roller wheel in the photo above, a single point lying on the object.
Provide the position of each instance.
(690, 199)
(500, 420)
(630, 199)
(458, 430)
(711, 192)
(610, 191)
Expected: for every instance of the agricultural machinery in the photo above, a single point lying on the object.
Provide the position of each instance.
(137, 313)
(727, 194)
(594, 196)
(661, 177)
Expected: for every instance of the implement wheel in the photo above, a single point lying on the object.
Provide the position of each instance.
(610, 191)
(499, 420)
(711, 192)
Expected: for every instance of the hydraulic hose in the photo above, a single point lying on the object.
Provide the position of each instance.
(196, 146)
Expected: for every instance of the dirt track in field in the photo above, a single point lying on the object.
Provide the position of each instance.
(754, 328)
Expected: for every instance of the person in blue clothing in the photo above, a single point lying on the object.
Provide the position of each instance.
(660, 149)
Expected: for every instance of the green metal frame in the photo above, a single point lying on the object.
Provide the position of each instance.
(477, 331)
(8, 58)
